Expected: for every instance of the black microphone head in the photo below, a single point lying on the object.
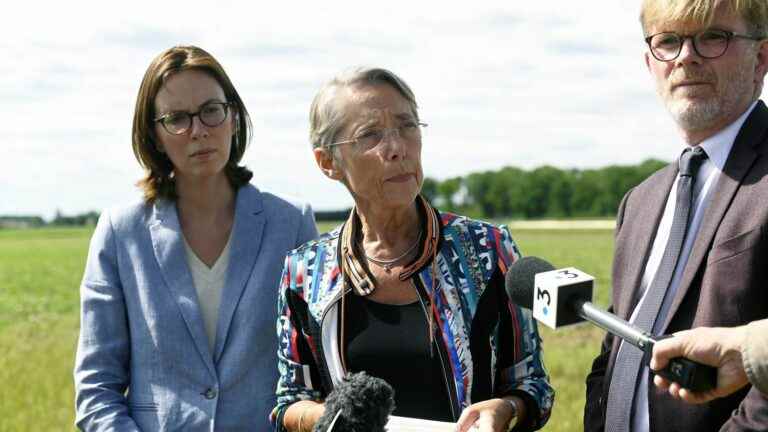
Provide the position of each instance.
(521, 279)
(363, 404)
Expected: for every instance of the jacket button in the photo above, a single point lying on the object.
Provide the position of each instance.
(209, 393)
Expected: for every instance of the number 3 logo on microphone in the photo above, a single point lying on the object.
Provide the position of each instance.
(540, 295)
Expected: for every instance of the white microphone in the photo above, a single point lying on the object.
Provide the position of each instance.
(563, 297)
(555, 294)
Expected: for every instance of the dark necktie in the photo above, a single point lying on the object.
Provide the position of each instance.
(628, 362)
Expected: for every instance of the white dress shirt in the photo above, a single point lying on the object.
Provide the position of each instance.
(717, 147)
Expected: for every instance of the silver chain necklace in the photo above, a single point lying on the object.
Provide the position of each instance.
(388, 263)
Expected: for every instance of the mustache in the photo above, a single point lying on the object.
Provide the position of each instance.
(689, 74)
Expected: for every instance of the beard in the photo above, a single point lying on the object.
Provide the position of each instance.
(700, 113)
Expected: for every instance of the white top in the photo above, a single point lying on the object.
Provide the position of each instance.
(717, 147)
(209, 283)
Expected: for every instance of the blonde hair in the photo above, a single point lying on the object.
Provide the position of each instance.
(754, 13)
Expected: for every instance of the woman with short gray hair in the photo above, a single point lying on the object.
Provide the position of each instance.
(401, 291)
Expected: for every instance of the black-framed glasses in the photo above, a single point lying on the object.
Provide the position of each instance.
(211, 114)
(708, 44)
(370, 138)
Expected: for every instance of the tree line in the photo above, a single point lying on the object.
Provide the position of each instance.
(35, 221)
(510, 192)
(544, 192)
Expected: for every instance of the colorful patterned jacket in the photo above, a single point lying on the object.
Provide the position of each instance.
(472, 260)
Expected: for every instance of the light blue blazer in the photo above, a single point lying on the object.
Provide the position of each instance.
(143, 359)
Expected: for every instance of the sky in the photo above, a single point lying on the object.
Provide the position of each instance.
(500, 83)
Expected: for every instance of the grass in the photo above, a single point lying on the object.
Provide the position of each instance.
(40, 272)
(568, 353)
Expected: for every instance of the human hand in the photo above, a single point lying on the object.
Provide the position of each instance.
(313, 414)
(718, 347)
(303, 415)
(492, 415)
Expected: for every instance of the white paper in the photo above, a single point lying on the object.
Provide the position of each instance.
(409, 424)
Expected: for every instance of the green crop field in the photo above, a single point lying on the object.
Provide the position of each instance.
(40, 272)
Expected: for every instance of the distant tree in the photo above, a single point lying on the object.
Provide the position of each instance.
(429, 189)
(447, 191)
(542, 192)
(16, 222)
(331, 215)
(82, 219)
(586, 199)
(479, 191)
(648, 167)
(510, 192)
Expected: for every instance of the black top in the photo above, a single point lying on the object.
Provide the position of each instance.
(391, 342)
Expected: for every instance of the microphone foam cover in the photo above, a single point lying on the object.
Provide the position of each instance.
(521, 279)
(365, 403)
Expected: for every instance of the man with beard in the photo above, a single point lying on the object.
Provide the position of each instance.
(691, 239)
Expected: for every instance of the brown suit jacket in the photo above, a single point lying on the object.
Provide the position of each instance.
(724, 282)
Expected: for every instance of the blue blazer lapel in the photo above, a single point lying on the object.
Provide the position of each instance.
(168, 245)
(245, 244)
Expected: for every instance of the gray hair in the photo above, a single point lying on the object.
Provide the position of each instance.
(325, 117)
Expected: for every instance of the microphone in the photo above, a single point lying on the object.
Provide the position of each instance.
(360, 403)
(563, 297)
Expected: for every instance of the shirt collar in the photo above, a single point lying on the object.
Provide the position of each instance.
(719, 145)
(354, 262)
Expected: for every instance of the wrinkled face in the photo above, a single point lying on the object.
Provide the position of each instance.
(201, 150)
(386, 174)
(708, 94)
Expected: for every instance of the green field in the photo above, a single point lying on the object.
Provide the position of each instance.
(40, 272)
